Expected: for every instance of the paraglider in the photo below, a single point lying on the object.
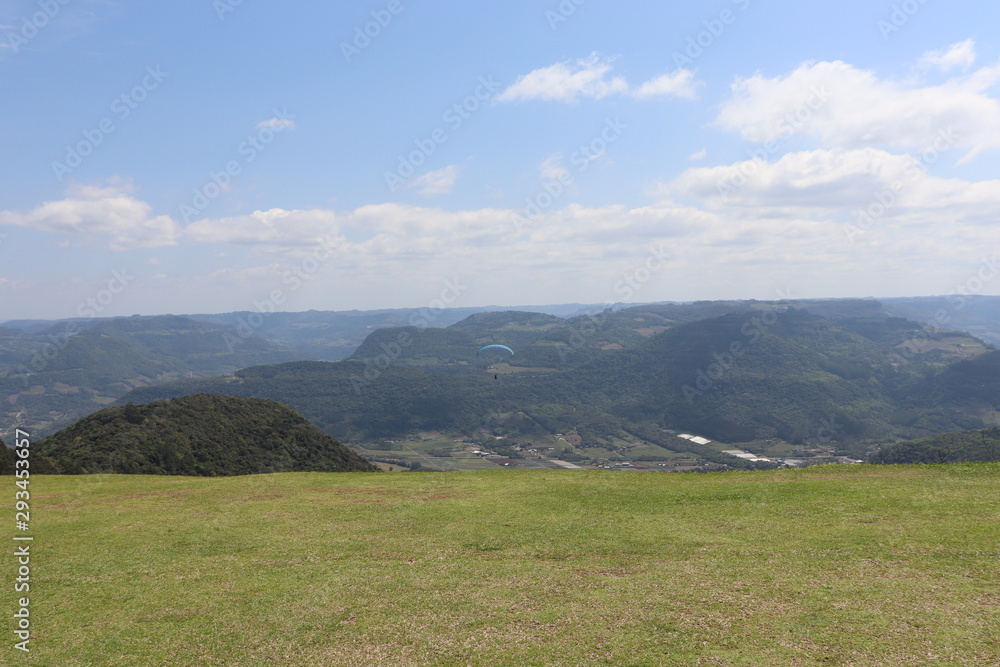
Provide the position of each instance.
(503, 347)
(487, 347)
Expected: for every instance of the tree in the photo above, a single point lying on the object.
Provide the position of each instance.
(132, 414)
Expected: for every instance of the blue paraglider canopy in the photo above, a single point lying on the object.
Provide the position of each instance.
(502, 347)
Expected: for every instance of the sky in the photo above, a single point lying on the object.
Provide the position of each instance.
(223, 155)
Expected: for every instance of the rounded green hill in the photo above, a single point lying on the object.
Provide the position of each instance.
(203, 434)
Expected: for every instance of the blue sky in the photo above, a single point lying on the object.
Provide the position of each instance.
(231, 155)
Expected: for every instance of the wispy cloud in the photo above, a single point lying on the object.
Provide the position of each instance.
(552, 168)
(277, 124)
(571, 81)
(437, 182)
(960, 54)
(273, 227)
(679, 83)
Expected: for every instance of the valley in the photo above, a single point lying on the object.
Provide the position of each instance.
(434, 451)
(787, 383)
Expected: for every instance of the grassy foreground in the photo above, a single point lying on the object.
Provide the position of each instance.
(857, 565)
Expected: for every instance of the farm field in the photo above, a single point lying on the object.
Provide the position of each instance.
(860, 565)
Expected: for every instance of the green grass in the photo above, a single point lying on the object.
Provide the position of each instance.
(849, 565)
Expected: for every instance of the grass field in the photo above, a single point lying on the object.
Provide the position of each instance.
(849, 565)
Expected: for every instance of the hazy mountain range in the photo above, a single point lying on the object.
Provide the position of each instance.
(851, 372)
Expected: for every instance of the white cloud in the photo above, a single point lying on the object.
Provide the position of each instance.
(277, 124)
(835, 185)
(679, 84)
(437, 182)
(772, 231)
(821, 179)
(960, 54)
(570, 81)
(385, 239)
(566, 82)
(397, 254)
(552, 169)
(845, 107)
(93, 212)
(274, 227)
(793, 209)
(698, 155)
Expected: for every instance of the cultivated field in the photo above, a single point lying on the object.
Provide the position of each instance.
(850, 565)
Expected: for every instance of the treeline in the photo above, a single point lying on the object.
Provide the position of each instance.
(412, 465)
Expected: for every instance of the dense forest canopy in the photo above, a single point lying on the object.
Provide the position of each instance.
(203, 434)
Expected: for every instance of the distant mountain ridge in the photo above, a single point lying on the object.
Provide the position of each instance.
(74, 375)
(62, 372)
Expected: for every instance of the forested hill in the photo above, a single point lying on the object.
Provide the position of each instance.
(203, 434)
